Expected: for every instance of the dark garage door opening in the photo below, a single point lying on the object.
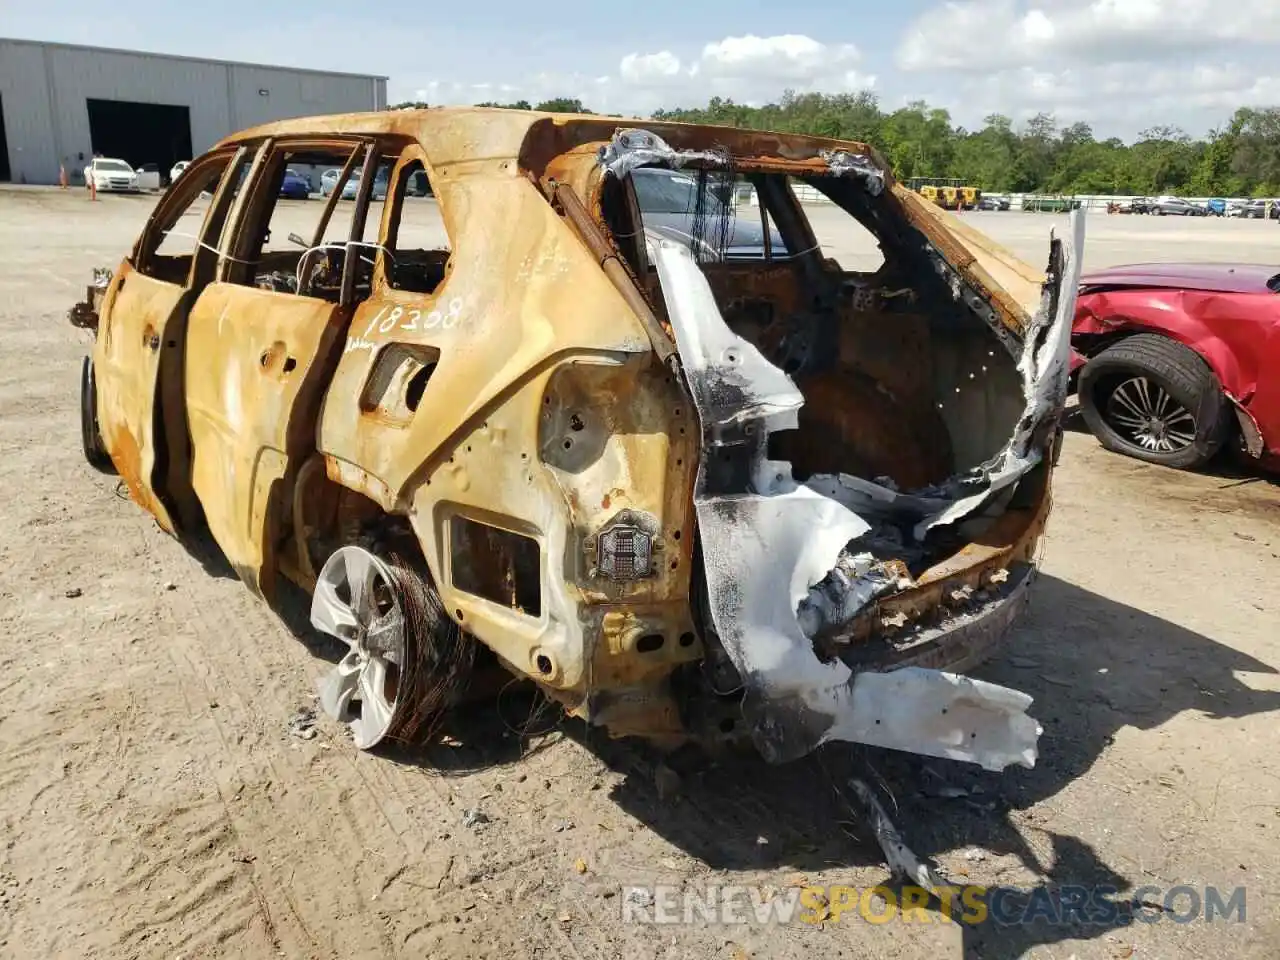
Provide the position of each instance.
(140, 133)
(5, 174)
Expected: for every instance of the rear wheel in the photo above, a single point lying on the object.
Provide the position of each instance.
(1152, 398)
(405, 658)
(95, 451)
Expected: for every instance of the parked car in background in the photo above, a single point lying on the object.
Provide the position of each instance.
(1176, 207)
(1140, 205)
(1257, 209)
(295, 186)
(107, 174)
(379, 191)
(1050, 204)
(148, 176)
(176, 170)
(989, 202)
(668, 201)
(1174, 360)
(1235, 208)
(418, 185)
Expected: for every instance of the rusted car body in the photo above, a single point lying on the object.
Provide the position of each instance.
(1175, 360)
(691, 497)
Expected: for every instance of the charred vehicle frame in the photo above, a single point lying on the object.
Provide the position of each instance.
(692, 494)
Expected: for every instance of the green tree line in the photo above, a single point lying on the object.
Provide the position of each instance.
(1241, 158)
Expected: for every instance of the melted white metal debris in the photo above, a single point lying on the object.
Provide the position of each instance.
(633, 148)
(768, 541)
(940, 714)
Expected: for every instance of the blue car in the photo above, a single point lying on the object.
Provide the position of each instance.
(295, 186)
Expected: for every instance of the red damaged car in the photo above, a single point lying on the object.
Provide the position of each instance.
(1174, 360)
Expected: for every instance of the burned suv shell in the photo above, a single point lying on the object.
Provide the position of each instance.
(690, 496)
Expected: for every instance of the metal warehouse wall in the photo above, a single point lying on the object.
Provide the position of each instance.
(44, 88)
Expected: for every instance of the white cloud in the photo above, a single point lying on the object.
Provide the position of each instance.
(790, 56)
(592, 91)
(646, 68)
(789, 60)
(748, 69)
(1116, 99)
(1121, 65)
(978, 35)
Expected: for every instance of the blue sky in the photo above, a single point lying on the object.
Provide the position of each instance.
(1122, 65)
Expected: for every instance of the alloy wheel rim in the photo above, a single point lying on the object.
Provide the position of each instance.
(357, 602)
(1146, 415)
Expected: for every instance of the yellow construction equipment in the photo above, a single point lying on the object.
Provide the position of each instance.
(950, 193)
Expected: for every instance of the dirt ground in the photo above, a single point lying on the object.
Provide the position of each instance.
(153, 802)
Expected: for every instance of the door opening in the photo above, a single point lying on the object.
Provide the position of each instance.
(139, 133)
(5, 174)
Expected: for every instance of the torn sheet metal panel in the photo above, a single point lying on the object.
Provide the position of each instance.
(767, 541)
(867, 498)
(1045, 369)
(734, 383)
(940, 715)
(761, 554)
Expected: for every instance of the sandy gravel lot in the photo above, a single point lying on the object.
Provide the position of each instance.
(153, 802)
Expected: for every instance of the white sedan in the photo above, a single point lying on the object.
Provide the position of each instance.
(176, 170)
(106, 173)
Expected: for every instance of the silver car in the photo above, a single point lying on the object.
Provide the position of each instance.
(1258, 209)
(1176, 207)
(379, 191)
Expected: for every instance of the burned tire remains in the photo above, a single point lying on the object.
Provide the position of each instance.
(95, 453)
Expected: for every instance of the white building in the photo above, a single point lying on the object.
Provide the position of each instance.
(61, 104)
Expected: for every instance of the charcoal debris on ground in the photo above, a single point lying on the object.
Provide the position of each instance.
(303, 724)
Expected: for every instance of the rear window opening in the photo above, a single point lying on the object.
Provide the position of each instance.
(905, 384)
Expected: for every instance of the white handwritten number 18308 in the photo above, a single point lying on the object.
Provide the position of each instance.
(389, 317)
